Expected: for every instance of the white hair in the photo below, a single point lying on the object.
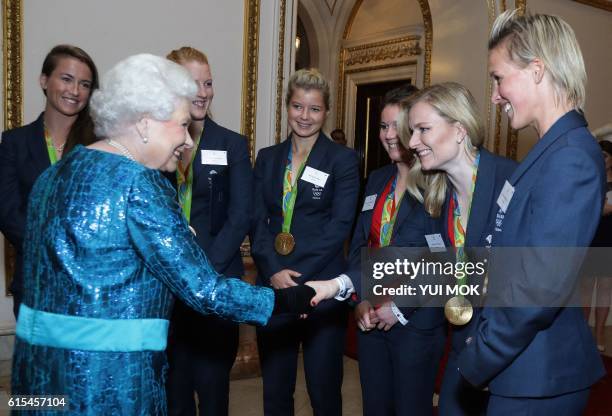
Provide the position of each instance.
(139, 85)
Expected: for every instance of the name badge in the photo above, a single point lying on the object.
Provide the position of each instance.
(369, 203)
(505, 196)
(435, 242)
(214, 157)
(609, 197)
(315, 176)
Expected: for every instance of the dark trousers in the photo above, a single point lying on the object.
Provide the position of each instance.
(398, 369)
(322, 337)
(201, 352)
(457, 396)
(570, 404)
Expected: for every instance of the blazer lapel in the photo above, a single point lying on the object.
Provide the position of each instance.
(278, 169)
(205, 139)
(316, 160)
(481, 200)
(378, 186)
(37, 146)
(444, 215)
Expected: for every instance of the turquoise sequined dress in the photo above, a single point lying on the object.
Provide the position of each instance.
(106, 245)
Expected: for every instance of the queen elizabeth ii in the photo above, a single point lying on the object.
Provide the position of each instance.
(107, 249)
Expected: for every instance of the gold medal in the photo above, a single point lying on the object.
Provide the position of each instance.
(284, 243)
(458, 310)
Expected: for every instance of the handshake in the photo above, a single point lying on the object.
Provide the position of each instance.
(291, 297)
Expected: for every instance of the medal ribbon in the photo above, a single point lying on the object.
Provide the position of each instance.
(184, 181)
(389, 213)
(457, 232)
(290, 190)
(50, 147)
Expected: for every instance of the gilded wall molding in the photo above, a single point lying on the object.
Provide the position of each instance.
(12, 25)
(12, 29)
(407, 46)
(602, 4)
(428, 26)
(345, 58)
(249, 72)
(280, 71)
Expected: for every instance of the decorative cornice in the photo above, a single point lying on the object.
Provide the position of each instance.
(344, 57)
(280, 71)
(249, 72)
(375, 67)
(406, 46)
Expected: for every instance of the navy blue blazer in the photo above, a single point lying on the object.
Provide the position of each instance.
(493, 171)
(322, 217)
(221, 205)
(23, 157)
(542, 351)
(412, 223)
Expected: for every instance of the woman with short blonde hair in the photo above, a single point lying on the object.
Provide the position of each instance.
(553, 199)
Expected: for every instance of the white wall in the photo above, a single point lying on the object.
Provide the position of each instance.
(111, 30)
(593, 28)
(375, 16)
(460, 32)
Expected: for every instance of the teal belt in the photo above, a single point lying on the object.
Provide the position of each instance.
(91, 334)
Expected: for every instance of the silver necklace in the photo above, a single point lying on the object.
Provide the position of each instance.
(59, 149)
(122, 149)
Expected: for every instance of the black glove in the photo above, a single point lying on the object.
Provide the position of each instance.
(294, 299)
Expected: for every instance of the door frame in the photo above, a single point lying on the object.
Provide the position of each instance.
(370, 76)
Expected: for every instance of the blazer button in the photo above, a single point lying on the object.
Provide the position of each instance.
(468, 340)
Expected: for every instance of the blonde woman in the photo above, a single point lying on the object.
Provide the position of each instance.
(539, 359)
(447, 133)
(306, 190)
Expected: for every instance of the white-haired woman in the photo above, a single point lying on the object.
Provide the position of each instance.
(107, 249)
(539, 359)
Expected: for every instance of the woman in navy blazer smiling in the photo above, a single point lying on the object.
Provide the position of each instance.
(539, 359)
(67, 79)
(447, 135)
(299, 237)
(215, 185)
(399, 348)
